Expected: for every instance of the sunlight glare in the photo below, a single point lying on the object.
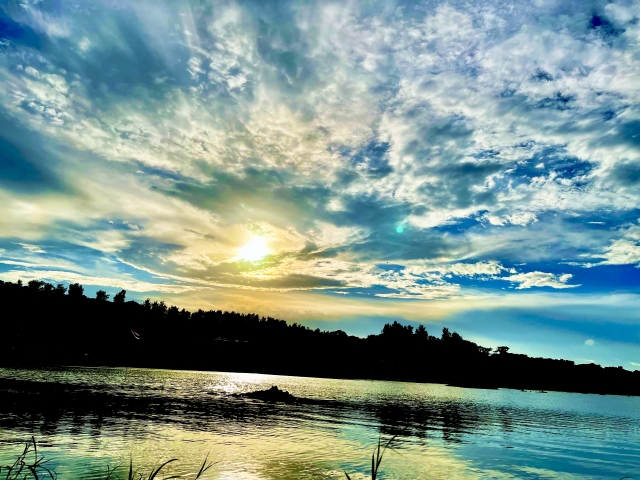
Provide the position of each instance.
(255, 250)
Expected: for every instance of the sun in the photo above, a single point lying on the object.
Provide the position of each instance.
(255, 250)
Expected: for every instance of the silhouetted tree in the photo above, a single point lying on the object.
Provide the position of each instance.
(119, 297)
(102, 296)
(35, 285)
(76, 290)
(421, 333)
(483, 350)
(446, 335)
(231, 341)
(396, 331)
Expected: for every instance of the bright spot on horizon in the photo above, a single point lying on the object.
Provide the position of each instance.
(255, 250)
(399, 229)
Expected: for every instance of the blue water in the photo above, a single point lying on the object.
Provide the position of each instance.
(440, 432)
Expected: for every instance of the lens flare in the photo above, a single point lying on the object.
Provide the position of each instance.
(255, 250)
(399, 229)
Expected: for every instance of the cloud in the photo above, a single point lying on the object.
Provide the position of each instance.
(589, 343)
(32, 248)
(522, 219)
(84, 44)
(51, 25)
(540, 279)
(623, 251)
(491, 269)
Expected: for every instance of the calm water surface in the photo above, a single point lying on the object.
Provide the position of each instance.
(108, 415)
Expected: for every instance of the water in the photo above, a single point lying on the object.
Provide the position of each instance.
(105, 416)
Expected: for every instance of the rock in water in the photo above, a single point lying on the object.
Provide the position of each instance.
(274, 394)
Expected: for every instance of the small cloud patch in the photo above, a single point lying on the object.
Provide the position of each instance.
(32, 248)
(540, 279)
(84, 44)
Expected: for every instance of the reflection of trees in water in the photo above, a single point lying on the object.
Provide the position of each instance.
(43, 409)
(421, 420)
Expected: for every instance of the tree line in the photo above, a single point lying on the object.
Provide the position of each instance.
(55, 325)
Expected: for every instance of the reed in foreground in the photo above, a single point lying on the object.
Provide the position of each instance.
(29, 465)
(23, 468)
(376, 458)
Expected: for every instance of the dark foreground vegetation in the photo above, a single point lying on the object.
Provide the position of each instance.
(52, 325)
(32, 465)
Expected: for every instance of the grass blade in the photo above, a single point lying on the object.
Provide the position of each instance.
(154, 473)
(204, 467)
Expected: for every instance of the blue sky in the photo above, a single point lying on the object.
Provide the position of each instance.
(144, 144)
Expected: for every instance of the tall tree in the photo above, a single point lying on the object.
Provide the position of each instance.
(35, 285)
(119, 297)
(76, 290)
(102, 296)
(421, 333)
(446, 335)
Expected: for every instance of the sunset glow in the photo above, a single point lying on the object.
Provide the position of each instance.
(254, 251)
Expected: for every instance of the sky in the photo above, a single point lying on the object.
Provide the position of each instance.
(469, 164)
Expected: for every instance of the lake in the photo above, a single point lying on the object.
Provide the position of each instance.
(104, 416)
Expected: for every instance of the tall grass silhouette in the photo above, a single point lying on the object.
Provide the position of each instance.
(23, 468)
(376, 457)
(30, 465)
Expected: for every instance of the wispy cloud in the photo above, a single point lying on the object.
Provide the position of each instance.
(32, 248)
(541, 279)
(622, 251)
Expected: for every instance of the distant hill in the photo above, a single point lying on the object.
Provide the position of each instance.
(52, 325)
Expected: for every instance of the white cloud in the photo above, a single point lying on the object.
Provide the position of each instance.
(32, 248)
(84, 44)
(195, 67)
(522, 219)
(50, 25)
(132, 226)
(490, 269)
(623, 251)
(31, 71)
(589, 343)
(540, 279)
(620, 252)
